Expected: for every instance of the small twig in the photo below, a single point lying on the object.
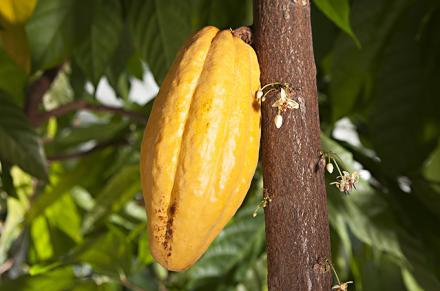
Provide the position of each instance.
(83, 104)
(38, 89)
(63, 157)
(6, 266)
(263, 203)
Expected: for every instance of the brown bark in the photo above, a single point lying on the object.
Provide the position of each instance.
(297, 231)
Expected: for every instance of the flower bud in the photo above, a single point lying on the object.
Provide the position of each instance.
(259, 94)
(329, 168)
(278, 120)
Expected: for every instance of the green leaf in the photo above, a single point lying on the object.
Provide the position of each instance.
(88, 171)
(338, 11)
(324, 35)
(144, 255)
(422, 256)
(255, 277)
(94, 54)
(118, 70)
(351, 67)
(390, 222)
(380, 273)
(15, 44)
(96, 285)
(53, 192)
(223, 14)
(74, 137)
(77, 80)
(19, 144)
(365, 212)
(12, 78)
(56, 280)
(64, 215)
(119, 190)
(7, 180)
(41, 243)
(16, 12)
(109, 254)
(11, 228)
(55, 28)
(431, 167)
(146, 279)
(405, 84)
(231, 247)
(410, 282)
(159, 29)
(55, 232)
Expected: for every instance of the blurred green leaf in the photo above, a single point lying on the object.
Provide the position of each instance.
(77, 80)
(94, 54)
(144, 255)
(108, 254)
(228, 250)
(404, 87)
(431, 168)
(73, 137)
(55, 28)
(410, 282)
(96, 285)
(146, 279)
(12, 78)
(11, 228)
(55, 232)
(372, 21)
(56, 280)
(338, 11)
(390, 222)
(159, 29)
(85, 172)
(19, 144)
(40, 234)
(428, 194)
(378, 271)
(15, 44)
(64, 215)
(7, 180)
(423, 259)
(364, 211)
(223, 14)
(255, 277)
(325, 33)
(118, 72)
(119, 190)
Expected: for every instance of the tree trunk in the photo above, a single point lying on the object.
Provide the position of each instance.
(297, 231)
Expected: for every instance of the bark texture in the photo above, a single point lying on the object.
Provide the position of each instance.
(297, 231)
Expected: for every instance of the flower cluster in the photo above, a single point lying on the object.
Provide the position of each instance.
(346, 181)
(342, 286)
(283, 103)
(266, 200)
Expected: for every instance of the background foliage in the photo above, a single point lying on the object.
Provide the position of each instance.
(71, 211)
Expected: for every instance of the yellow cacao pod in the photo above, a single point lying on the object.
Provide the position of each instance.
(200, 146)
